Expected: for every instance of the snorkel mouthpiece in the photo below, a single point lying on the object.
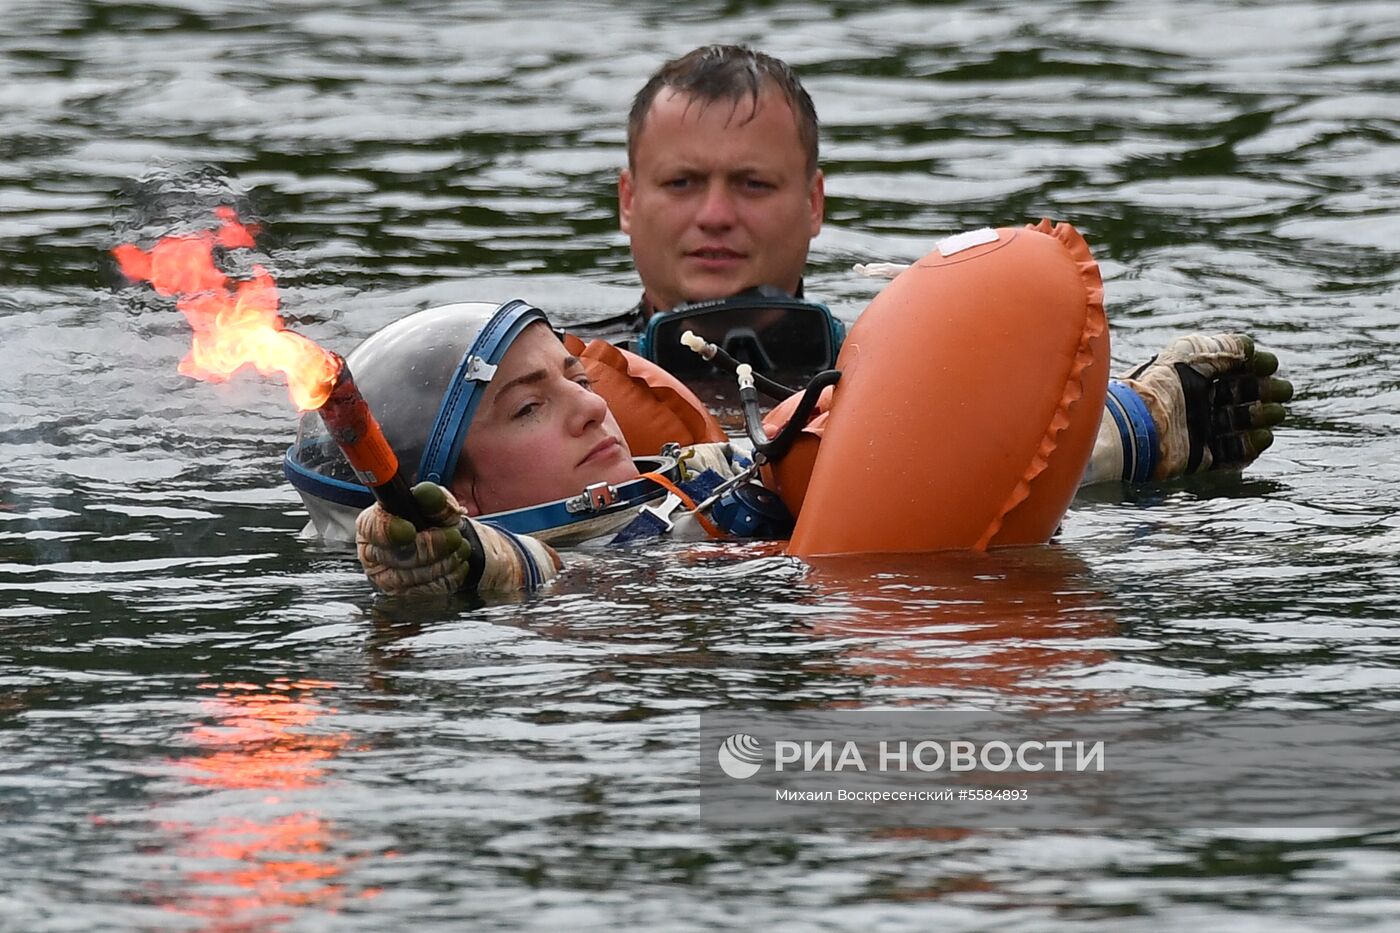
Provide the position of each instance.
(697, 344)
(744, 373)
(352, 426)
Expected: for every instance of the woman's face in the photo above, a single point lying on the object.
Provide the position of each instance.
(540, 433)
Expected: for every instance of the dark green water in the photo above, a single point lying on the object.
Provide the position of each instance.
(207, 724)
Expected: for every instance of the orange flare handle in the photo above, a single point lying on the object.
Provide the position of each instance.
(347, 416)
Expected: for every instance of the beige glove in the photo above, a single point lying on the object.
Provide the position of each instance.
(698, 458)
(1213, 400)
(458, 555)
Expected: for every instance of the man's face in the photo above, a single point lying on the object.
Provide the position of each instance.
(718, 199)
(540, 433)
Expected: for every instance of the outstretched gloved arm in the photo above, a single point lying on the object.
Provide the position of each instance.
(1203, 403)
(458, 555)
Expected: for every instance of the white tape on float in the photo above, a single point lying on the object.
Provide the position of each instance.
(958, 242)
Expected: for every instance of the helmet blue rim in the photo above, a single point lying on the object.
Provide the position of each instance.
(339, 491)
(548, 516)
(464, 392)
(528, 520)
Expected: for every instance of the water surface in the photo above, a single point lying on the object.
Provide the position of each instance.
(210, 724)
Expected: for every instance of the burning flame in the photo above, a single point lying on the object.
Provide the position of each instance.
(235, 323)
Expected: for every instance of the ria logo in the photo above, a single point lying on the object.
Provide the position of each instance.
(740, 756)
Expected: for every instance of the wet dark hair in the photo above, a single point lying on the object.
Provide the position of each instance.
(713, 73)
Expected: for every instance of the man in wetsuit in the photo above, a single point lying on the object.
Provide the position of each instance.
(723, 193)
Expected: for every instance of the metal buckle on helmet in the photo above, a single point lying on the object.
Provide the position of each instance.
(594, 498)
(478, 370)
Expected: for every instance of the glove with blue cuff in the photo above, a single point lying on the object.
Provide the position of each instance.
(1203, 403)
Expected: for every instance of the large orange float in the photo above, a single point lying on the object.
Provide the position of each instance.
(969, 402)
